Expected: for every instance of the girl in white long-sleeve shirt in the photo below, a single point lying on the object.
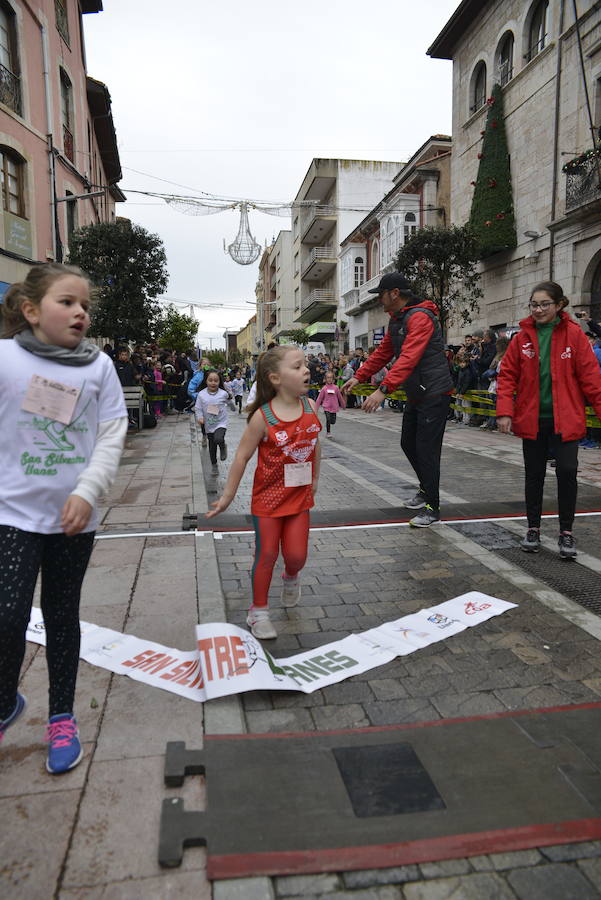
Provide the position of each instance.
(63, 426)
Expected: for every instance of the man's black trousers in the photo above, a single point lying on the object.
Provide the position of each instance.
(421, 442)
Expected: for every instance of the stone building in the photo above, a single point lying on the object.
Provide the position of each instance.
(420, 197)
(57, 138)
(280, 263)
(531, 49)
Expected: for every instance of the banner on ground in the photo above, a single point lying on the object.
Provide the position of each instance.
(229, 660)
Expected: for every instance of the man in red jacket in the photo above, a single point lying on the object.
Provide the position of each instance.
(414, 337)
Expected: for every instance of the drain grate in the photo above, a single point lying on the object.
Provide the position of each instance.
(565, 576)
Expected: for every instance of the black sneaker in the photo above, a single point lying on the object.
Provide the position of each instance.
(223, 451)
(426, 517)
(567, 549)
(531, 543)
(417, 502)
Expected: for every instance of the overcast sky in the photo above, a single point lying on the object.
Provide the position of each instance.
(236, 98)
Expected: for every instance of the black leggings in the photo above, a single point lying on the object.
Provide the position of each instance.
(216, 439)
(536, 454)
(238, 401)
(330, 420)
(63, 561)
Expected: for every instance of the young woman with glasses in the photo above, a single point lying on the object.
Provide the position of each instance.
(548, 376)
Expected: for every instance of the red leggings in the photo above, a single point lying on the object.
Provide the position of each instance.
(292, 533)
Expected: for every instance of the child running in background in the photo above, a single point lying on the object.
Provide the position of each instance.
(53, 468)
(283, 424)
(332, 401)
(237, 388)
(159, 384)
(212, 411)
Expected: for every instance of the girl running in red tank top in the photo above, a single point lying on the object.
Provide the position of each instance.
(283, 425)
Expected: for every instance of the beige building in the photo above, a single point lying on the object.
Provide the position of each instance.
(333, 198)
(530, 48)
(281, 311)
(246, 339)
(420, 197)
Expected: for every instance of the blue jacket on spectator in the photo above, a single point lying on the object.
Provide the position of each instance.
(194, 385)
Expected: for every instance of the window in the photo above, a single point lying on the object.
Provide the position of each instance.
(345, 273)
(505, 59)
(295, 264)
(478, 92)
(537, 32)
(11, 182)
(10, 83)
(62, 19)
(410, 226)
(359, 271)
(597, 107)
(296, 299)
(71, 216)
(295, 229)
(375, 258)
(67, 115)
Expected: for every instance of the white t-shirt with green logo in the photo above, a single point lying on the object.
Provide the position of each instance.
(40, 458)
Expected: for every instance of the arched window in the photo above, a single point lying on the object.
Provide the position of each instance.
(359, 271)
(410, 226)
(505, 59)
(537, 32)
(12, 182)
(10, 83)
(375, 258)
(478, 92)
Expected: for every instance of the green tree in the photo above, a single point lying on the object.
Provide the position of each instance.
(441, 264)
(128, 267)
(298, 336)
(176, 331)
(491, 215)
(216, 357)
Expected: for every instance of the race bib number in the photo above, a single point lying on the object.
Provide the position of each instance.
(51, 399)
(298, 474)
(213, 409)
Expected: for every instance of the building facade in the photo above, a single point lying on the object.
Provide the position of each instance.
(333, 198)
(420, 197)
(531, 49)
(281, 309)
(57, 138)
(246, 339)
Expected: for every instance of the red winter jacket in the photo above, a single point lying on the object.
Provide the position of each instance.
(419, 332)
(575, 379)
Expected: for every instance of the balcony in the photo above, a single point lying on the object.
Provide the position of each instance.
(318, 222)
(318, 305)
(319, 264)
(10, 89)
(367, 300)
(68, 144)
(583, 184)
(351, 302)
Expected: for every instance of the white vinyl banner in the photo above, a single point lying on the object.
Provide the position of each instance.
(229, 660)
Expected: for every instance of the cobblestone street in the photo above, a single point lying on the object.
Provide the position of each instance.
(542, 654)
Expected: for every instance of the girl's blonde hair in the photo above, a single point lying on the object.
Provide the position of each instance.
(268, 364)
(502, 345)
(37, 283)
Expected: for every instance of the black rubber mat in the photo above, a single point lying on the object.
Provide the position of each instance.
(288, 803)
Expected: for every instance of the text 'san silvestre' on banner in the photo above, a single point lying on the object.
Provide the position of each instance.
(229, 660)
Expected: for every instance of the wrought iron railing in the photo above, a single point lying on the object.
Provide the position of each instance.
(10, 89)
(62, 20)
(68, 144)
(583, 184)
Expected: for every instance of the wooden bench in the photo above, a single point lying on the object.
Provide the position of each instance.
(135, 399)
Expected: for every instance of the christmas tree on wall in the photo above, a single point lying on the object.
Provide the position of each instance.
(491, 216)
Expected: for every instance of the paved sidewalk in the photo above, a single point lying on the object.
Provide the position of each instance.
(104, 816)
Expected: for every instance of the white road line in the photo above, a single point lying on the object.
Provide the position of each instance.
(375, 463)
(380, 492)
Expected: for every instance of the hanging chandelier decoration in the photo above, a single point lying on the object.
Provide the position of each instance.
(244, 250)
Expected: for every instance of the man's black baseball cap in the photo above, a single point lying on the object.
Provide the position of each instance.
(391, 281)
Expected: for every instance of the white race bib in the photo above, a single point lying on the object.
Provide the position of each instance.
(50, 399)
(213, 409)
(298, 474)
(330, 391)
